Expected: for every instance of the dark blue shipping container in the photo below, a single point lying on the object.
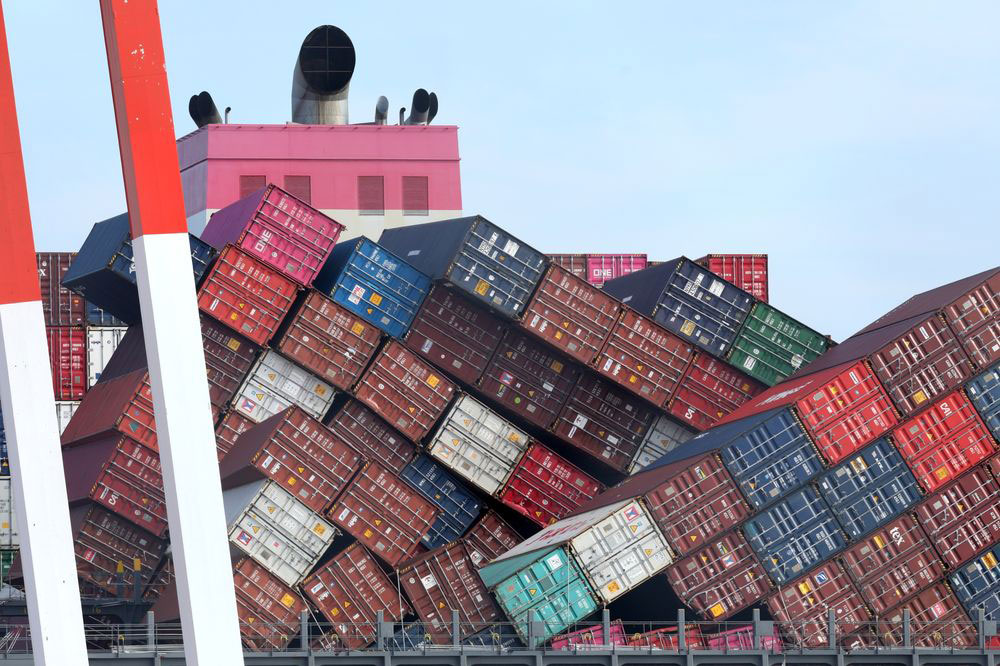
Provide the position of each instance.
(98, 317)
(771, 459)
(977, 584)
(794, 535)
(870, 488)
(409, 636)
(984, 391)
(103, 272)
(374, 284)
(497, 636)
(459, 507)
(476, 256)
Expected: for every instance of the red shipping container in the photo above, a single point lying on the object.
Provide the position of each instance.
(120, 474)
(937, 620)
(60, 306)
(446, 580)
(720, 579)
(975, 320)
(232, 425)
(746, 271)
(269, 610)
(709, 390)
(297, 451)
(349, 591)
(489, 538)
(963, 518)
(574, 263)
(369, 434)
(545, 486)
(528, 379)
(944, 440)
(604, 267)
(278, 229)
(124, 404)
(570, 314)
(645, 358)
(405, 391)
(803, 605)
(381, 511)
(331, 342)
(103, 539)
(590, 637)
(892, 564)
(246, 295)
(68, 359)
(604, 421)
(922, 364)
(228, 359)
(665, 638)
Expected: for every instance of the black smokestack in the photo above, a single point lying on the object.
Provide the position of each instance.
(321, 77)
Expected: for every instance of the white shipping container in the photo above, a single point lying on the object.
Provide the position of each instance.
(276, 530)
(663, 437)
(64, 412)
(276, 383)
(8, 529)
(101, 344)
(478, 444)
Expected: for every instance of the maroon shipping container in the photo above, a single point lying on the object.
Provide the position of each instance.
(60, 306)
(269, 610)
(405, 391)
(367, 433)
(545, 487)
(570, 314)
(604, 267)
(802, 606)
(604, 421)
(331, 342)
(721, 578)
(349, 591)
(937, 619)
(246, 295)
(228, 359)
(232, 425)
(120, 474)
(279, 229)
(666, 639)
(645, 358)
(892, 564)
(528, 379)
(446, 580)
(963, 518)
(709, 390)
(298, 452)
(489, 538)
(124, 404)
(574, 263)
(975, 319)
(103, 539)
(68, 360)
(381, 511)
(746, 271)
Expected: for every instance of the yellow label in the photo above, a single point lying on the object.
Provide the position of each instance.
(879, 542)
(919, 397)
(717, 610)
(234, 316)
(376, 299)
(288, 600)
(482, 287)
(291, 480)
(368, 534)
(990, 560)
(319, 529)
(358, 328)
(335, 612)
(514, 437)
(234, 344)
(558, 335)
(557, 366)
(440, 604)
(632, 379)
(613, 587)
(433, 381)
(378, 522)
(687, 328)
(941, 473)
(804, 587)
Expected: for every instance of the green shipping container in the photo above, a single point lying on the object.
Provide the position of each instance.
(771, 345)
(6, 560)
(545, 581)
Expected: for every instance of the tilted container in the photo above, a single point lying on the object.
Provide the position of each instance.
(803, 606)
(590, 638)
(664, 436)
(977, 584)
(229, 429)
(937, 620)
(574, 263)
(963, 517)
(60, 306)
(275, 383)
(268, 609)
(710, 390)
(984, 391)
(101, 344)
(9, 538)
(459, 508)
(368, 434)
(771, 345)
(65, 410)
(124, 404)
(746, 271)
(489, 538)
(604, 267)
(545, 487)
(974, 317)
(102, 539)
(665, 638)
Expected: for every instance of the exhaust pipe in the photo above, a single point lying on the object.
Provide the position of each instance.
(420, 108)
(402, 115)
(433, 111)
(203, 111)
(381, 110)
(321, 77)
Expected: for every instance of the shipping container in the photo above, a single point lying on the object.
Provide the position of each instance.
(228, 359)
(368, 434)
(455, 334)
(246, 295)
(546, 487)
(771, 345)
(590, 638)
(129, 356)
(746, 271)
(349, 591)
(101, 344)
(937, 620)
(99, 317)
(445, 580)
(459, 508)
(375, 284)
(664, 436)
(665, 638)
(329, 341)
(794, 535)
(943, 441)
(892, 564)
(275, 383)
(103, 271)
(103, 539)
(963, 517)
(741, 638)
(277, 228)
(64, 413)
(803, 606)
(571, 315)
(489, 538)
(574, 263)
(709, 390)
(974, 317)
(68, 359)
(124, 404)
(9, 538)
(869, 489)
(474, 255)
(604, 267)
(60, 306)
(382, 512)
(604, 421)
(229, 430)
(269, 611)
(721, 578)
(687, 299)
(977, 584)
(496, 637)
(984, 391)
(528, 379)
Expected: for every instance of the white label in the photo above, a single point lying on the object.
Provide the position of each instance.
(716, 287)
(580, 421)
(356, 294)
(428, 582)
(797, 360)
(749, 362)
(554, 561)
(413, 253)
(511, 248)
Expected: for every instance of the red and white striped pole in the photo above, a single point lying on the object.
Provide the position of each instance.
(29, 413)
(184, 427)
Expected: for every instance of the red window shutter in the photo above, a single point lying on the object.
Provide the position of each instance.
(415, 195)
(371, 195)
(250, 184)
(299, 187)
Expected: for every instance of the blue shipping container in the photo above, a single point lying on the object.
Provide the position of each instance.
(497, 636)
(984, 391)
(476, 256)
(977, 584)
(772, 459)
(459, 507)
(374, 284)
(794, 535)
(691, 301)
(869, 489)
(410, 636)
(98, 317)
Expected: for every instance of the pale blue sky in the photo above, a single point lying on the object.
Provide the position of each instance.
(856, 142)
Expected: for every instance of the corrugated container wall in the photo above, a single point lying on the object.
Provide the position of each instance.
(663, 437)
(590, 637)
(545, 486)
(936, 618)
(604, 267)
(368, 434)
(771, 345)
(963, 518)
(490, 538)
(101, 344)
(60, 306)
(977, 584)
(68, 360)
(269, 610)
(124, 403)
(984, 390)
(459, 508)
(803, 606)
(9, 539)
(102, 539)
(230, 428)
(975, 319)
(228, 359)
(574, 263)
(746, 271)
(64, 413)
(275, 383)
(709, 390)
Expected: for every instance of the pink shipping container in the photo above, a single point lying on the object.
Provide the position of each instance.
(590, 637)
(604, 267)
(666, 639)
(277, 228)
(545, 486)
(741, 638)
(68, 358)
(746, 271)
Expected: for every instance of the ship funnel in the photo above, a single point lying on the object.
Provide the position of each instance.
(381, 110)
(420, 108)
(321, 77)
(433, 110)
(203, 111)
